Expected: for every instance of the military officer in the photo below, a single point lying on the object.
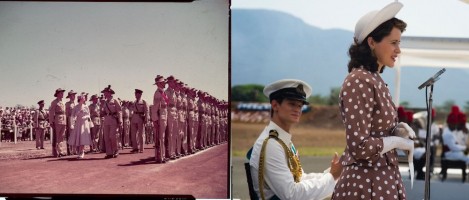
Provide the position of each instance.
(68, 110)
(126, 123)
(196, 120)
(192, 120)
(160, 119)
(202, 120)
(101, 145)
(40, 118)
(183, 119)
(208, 115)
(274, 164)
(58, 121)
(96, 119)
(139, 118)
(112, 112)
(172, 117)
(216, 120)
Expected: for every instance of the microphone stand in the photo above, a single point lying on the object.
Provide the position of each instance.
(429, 102)
(428, 141)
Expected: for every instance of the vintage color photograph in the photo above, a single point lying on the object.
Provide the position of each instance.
(114, 98)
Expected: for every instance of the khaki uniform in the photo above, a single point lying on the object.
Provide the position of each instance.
(196, 125)
(202, 120)
(216, 125)
(68, 110)
(138, 120)
(191, 126)
(96, 119)
(58, 121)
(208, 122)
(180, 124)
(160, 119)
(126, 126)
(112, 112)
(172, 122)
(101, 144)
(40, 118)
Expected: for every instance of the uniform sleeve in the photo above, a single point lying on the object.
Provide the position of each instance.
(146, 111)
(357, 102)
(156, 107)
(119, 111)
(279, 178)
(36, 119)
(51, 112)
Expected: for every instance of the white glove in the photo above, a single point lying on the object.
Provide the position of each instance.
(403, 130)
(394, 142)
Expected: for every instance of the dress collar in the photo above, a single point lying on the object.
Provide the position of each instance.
(282, 134)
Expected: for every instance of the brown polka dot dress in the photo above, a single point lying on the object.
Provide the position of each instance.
(368, 114)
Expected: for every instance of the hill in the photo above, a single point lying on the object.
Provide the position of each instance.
(270, 45)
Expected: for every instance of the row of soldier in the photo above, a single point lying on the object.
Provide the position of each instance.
(184, 120)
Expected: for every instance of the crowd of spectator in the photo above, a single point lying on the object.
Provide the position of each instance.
(16, 117)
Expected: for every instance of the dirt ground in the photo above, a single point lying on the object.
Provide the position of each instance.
(24, 169)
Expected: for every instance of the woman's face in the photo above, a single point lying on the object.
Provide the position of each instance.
(388, 49)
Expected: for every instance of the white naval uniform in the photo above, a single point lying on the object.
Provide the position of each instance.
(278, 178)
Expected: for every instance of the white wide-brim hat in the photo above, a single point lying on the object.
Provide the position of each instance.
(373, 19)
(288, 88)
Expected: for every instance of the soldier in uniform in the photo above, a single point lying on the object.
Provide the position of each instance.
(112, 112)
(96, 119)
(126, 123)
(192, 120)
(58, 121)
(182, 125)
(172, 118)
(159, 117)
(202, 120)
(208, 112)
(101, 145)
(274, 163)
(139, 118)
(68, 110)
(40, 117)
(180, 118)
(216, 125)
(225, 122)
(196, 120)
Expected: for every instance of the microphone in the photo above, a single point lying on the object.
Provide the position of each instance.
(432, 79)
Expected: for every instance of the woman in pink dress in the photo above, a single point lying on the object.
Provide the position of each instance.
(81, 123)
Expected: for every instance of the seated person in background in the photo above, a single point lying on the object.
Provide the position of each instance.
(451, 149)
(461, 132)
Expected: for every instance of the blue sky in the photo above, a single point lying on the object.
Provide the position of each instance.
(431, 18)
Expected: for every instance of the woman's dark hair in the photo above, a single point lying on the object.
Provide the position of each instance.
(361, 55)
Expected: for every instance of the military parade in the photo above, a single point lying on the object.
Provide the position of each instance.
(180, 121)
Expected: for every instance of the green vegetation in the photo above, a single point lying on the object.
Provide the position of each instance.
(249, 92)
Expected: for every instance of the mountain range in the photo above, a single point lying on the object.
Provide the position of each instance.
(269, 45)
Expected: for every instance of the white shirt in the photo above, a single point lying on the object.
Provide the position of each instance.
(455, 150)
(460, 137)
(277, 176)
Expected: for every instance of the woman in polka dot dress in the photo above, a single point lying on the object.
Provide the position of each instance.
(370, 162)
